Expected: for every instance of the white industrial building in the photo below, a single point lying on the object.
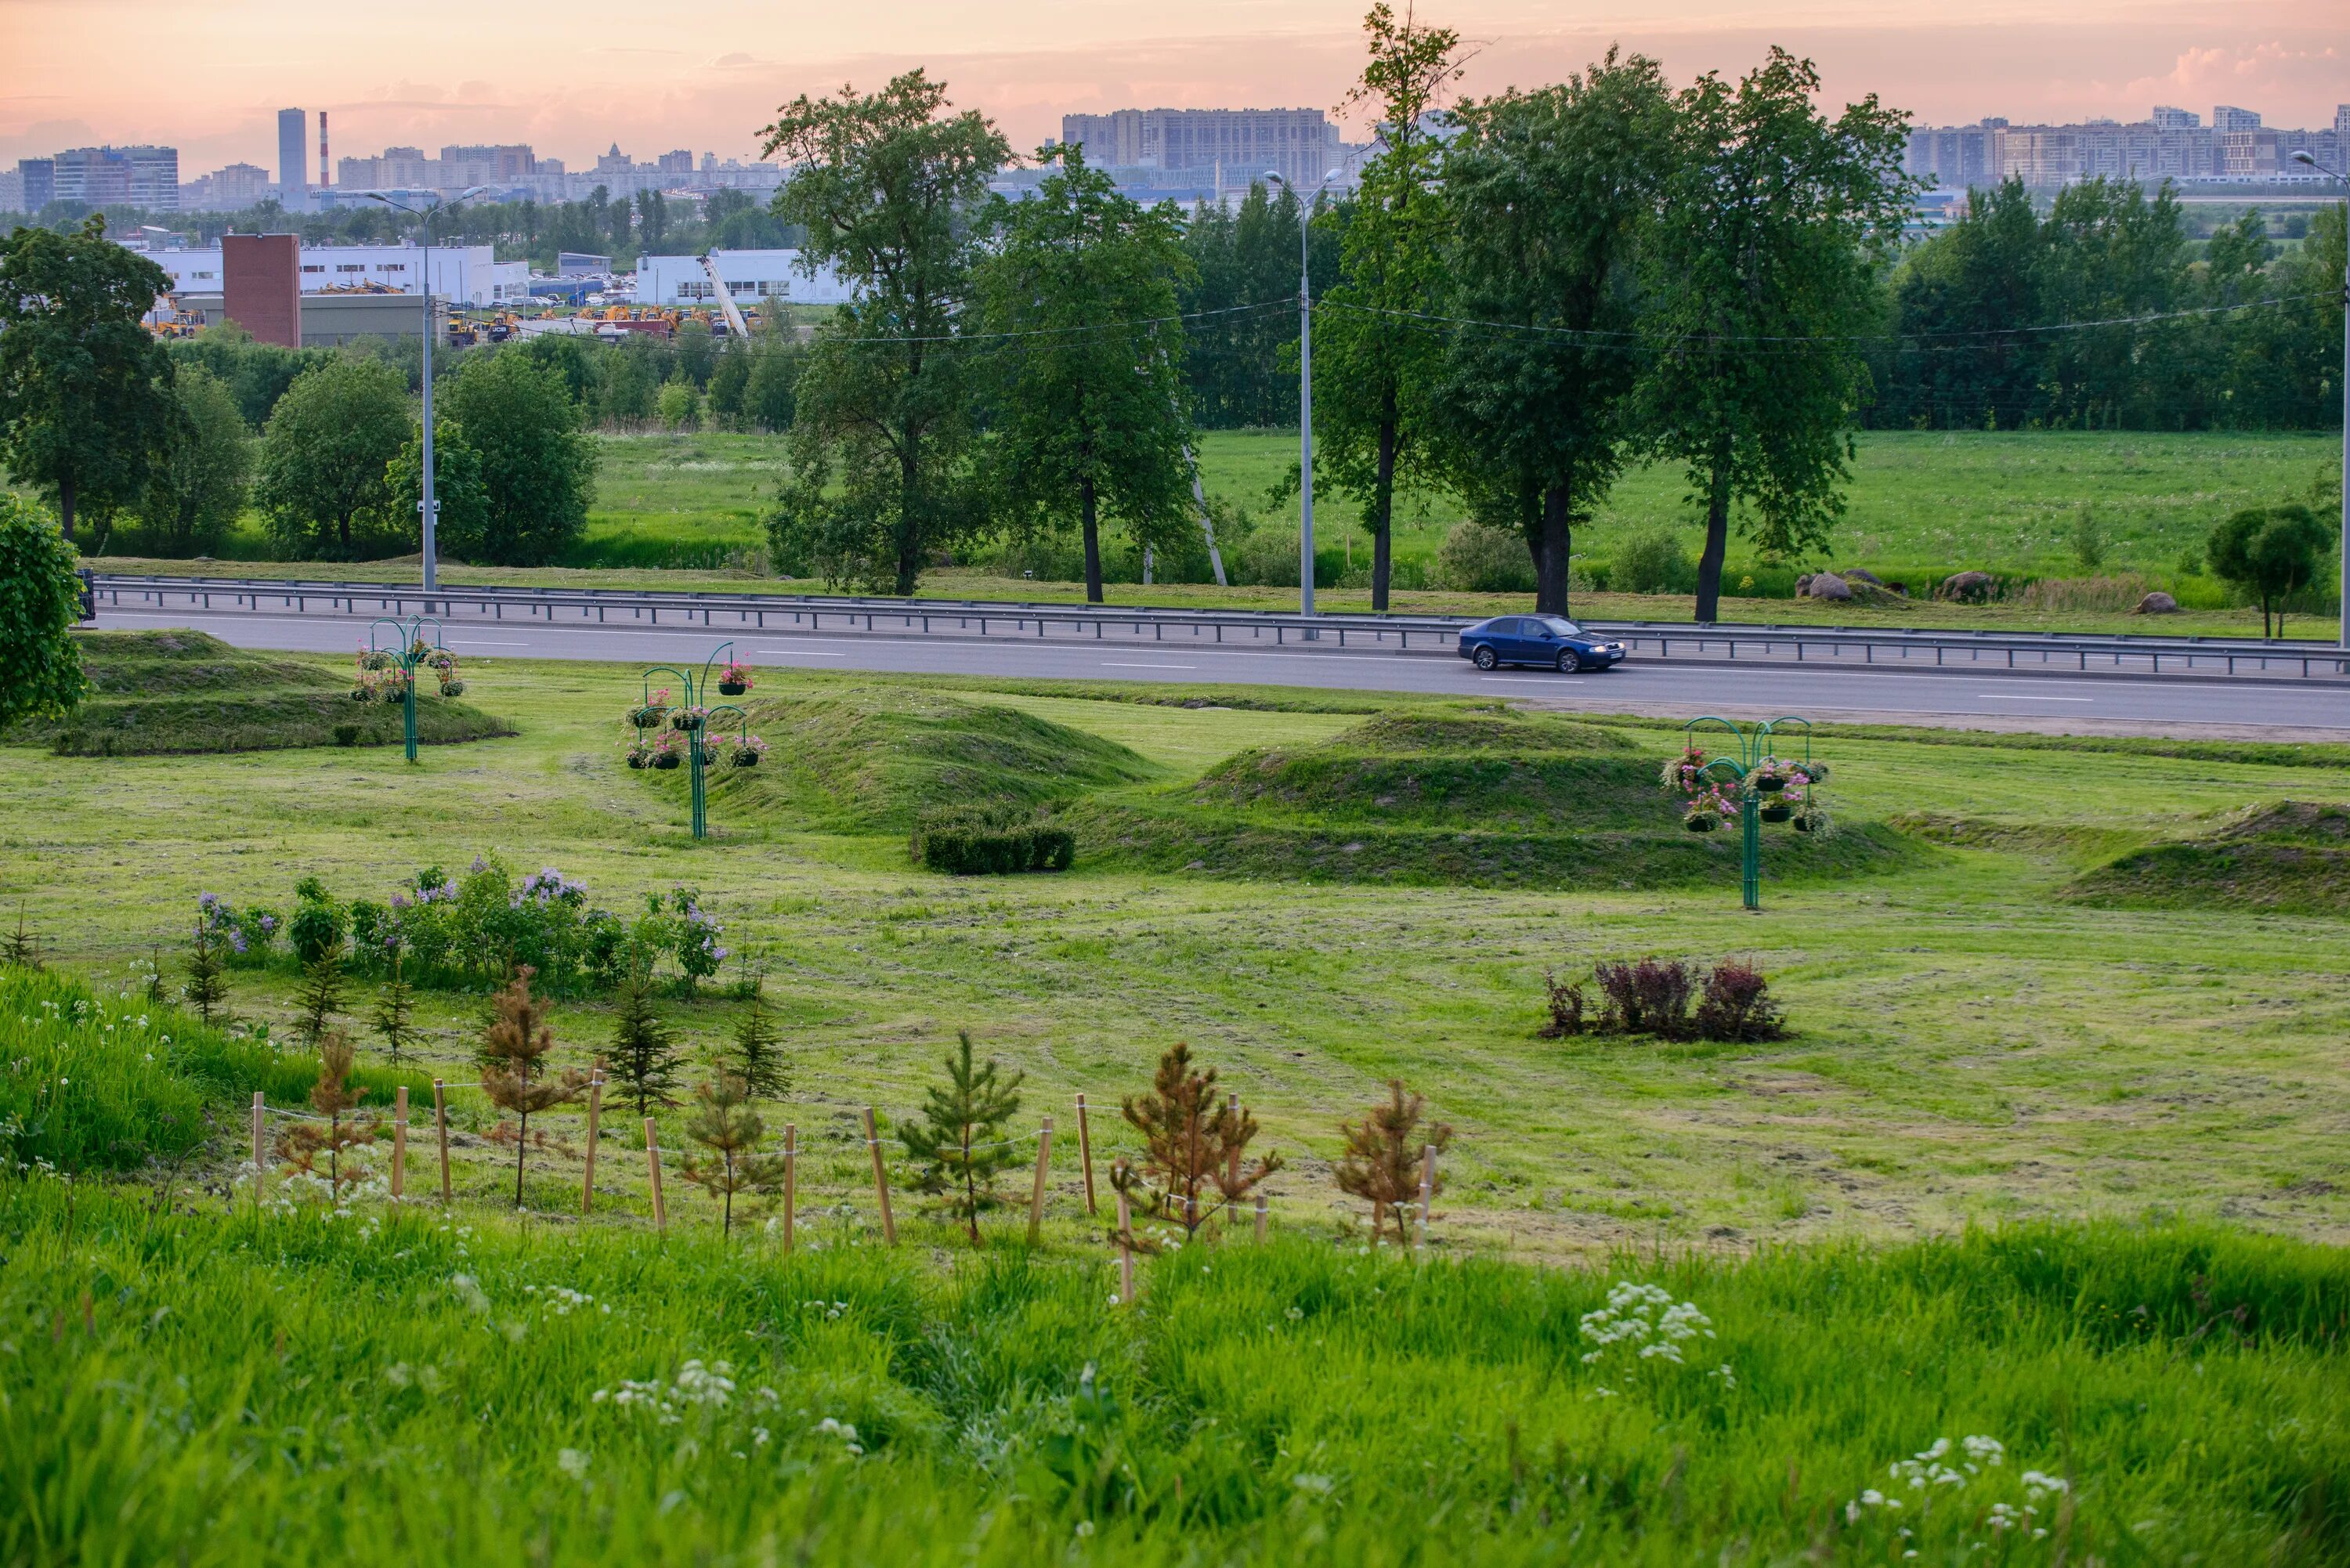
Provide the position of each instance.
(464, 274)
(751, 277)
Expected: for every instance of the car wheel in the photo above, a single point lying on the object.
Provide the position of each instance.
(1483, 658)
(1568, 664)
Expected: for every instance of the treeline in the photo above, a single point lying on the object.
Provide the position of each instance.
(622, 227)
(1983, 322)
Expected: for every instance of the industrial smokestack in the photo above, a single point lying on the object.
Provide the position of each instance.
(322, 150)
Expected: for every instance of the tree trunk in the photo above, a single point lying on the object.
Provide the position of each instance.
(1089, 516)
(1383, 506)
(728, 1228)
(65, 507)
(1551, 555)
(909, 530)
(522, 1144)
(1717, 538)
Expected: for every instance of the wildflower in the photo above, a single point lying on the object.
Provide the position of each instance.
(573, 1463)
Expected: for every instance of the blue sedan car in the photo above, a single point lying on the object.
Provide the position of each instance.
(1546, 639)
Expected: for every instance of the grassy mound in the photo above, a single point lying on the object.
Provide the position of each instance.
(868, 759)
(2291, 856)
(1504, 799)
(172, 692)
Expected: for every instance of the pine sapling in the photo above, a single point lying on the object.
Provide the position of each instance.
(1193, 1141)
(516, 1076)
(758, 1046)
(319, 998)
(725, 1124)
(645, 1056)
(333, 1097)
(1383, 1157)
(20, 946)
(960, 1142)
(394, 1005)
(207, 987)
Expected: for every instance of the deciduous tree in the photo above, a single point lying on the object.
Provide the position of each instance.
(537, 466)
(2270, 552)
(325, 480)
(40, 600)
(197, 486)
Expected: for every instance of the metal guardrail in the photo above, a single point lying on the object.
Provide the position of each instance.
(1845, 646)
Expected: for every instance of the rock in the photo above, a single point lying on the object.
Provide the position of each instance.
(1967, 587)
(1861, 575)
(1828, 586)
(2156, 603)
(1803, 585)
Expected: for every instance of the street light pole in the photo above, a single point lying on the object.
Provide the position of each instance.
(2340, 177)
(427, 508)
(1304, 386)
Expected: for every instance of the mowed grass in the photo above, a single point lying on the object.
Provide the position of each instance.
(1968, 1044)
(191, 1382)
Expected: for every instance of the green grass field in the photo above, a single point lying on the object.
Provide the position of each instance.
(2052, 1156)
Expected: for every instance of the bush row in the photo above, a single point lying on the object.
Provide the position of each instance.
(968, 843)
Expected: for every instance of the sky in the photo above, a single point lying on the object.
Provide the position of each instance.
(574, 78)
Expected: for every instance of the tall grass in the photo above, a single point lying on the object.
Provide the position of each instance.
(304, 1387)
(94, 1082)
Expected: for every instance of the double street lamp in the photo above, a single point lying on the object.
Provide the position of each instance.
(2303, 157)
(428, 510)
(1304, 385)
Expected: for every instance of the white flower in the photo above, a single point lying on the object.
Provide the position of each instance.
(573, 1463)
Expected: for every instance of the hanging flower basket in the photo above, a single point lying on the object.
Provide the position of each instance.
(362, 694)
(645, 718)
(733, 681)
(1701, 821)
(1776, 811)
(452, 686)
(1768, 783)
(1803, 824)
(688, 719)
(639, 755)
(665, 761)
(747, 751)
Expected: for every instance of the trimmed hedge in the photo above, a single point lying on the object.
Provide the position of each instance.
(967, 843)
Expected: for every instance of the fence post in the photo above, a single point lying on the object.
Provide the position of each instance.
(1036, 1195)
(258, 1116)
(595, 1110)
(399, 1143)
(791, 1179)
(652, 1164)
(1232, 1109)
(440, 1128)
(880, 1180)
(1125, 1251)
(1427, 1191)
(1260, 1215)
(1085, 1153)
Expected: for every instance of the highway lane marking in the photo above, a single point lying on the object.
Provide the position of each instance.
(1121, 664)
(485, 642)
(795, 653)
(2026, 697)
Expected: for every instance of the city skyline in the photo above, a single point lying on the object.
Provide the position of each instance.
(607, 79)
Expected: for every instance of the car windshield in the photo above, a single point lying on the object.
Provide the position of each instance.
(1560, 625)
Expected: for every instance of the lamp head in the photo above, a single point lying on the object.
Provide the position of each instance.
(1274, 177)
(469, 195)
(2300, 155)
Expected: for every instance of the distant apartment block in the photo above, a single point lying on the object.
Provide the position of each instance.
(2169, 144)
(293, 136)
(1222, 148)
(231, 188)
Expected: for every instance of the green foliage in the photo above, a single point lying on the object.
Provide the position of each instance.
(461, 532)
(678, 406)
(2269, 553)
(318, 926)
(206, 990)
(725, 1124)
(646, 1055)
(537, 468)
(1088, 416)
(40, 600)
(395, 1008)
(966, 841)
(1240, 257)
(960, 1143)
(1385, 1153)
(516, 1073)
(881, 432)
(255, 374)
(2088, 539)
(324, 485)
(199, 477)
(319, 998)
(1479, 558)
(759, 1057)
(85, 391)
(1651, 562)
(2287, 857)
(1194, 1158)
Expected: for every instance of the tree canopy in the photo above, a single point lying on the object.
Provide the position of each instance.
(40, 667)
(325, 483)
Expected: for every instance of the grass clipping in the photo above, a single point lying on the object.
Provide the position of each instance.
(163, 694)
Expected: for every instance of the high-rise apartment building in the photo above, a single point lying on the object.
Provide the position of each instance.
(1233, 146)
(292, 185)
(146, 177)
(2225, 119)
(37, 178)
(2168, 119)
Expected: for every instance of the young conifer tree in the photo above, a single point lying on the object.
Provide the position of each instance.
(207, 986)
(959, 1141)
(20, 946)
(1384, 1152)
(645, 1056)
(320, 999)
(517, 1076)
(332, 1097)
(393, 1008)
(758, 1047)
(725, 1124)
(1194, 1143)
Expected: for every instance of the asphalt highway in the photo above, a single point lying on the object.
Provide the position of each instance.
(2093, 704)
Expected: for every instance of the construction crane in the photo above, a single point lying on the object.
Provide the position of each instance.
(725, 298)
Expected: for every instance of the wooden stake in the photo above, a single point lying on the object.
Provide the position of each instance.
(1124, 1252)
(594, 1112)
(1085, 1155)
(1426, 1190)
(1036, 1197)
(1232, 1106)
(791, 1179)
(880, 1180)
(399, 1143)
(258, 1113)
(652, 1163)
(440, 1129)
(1260, 1215)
